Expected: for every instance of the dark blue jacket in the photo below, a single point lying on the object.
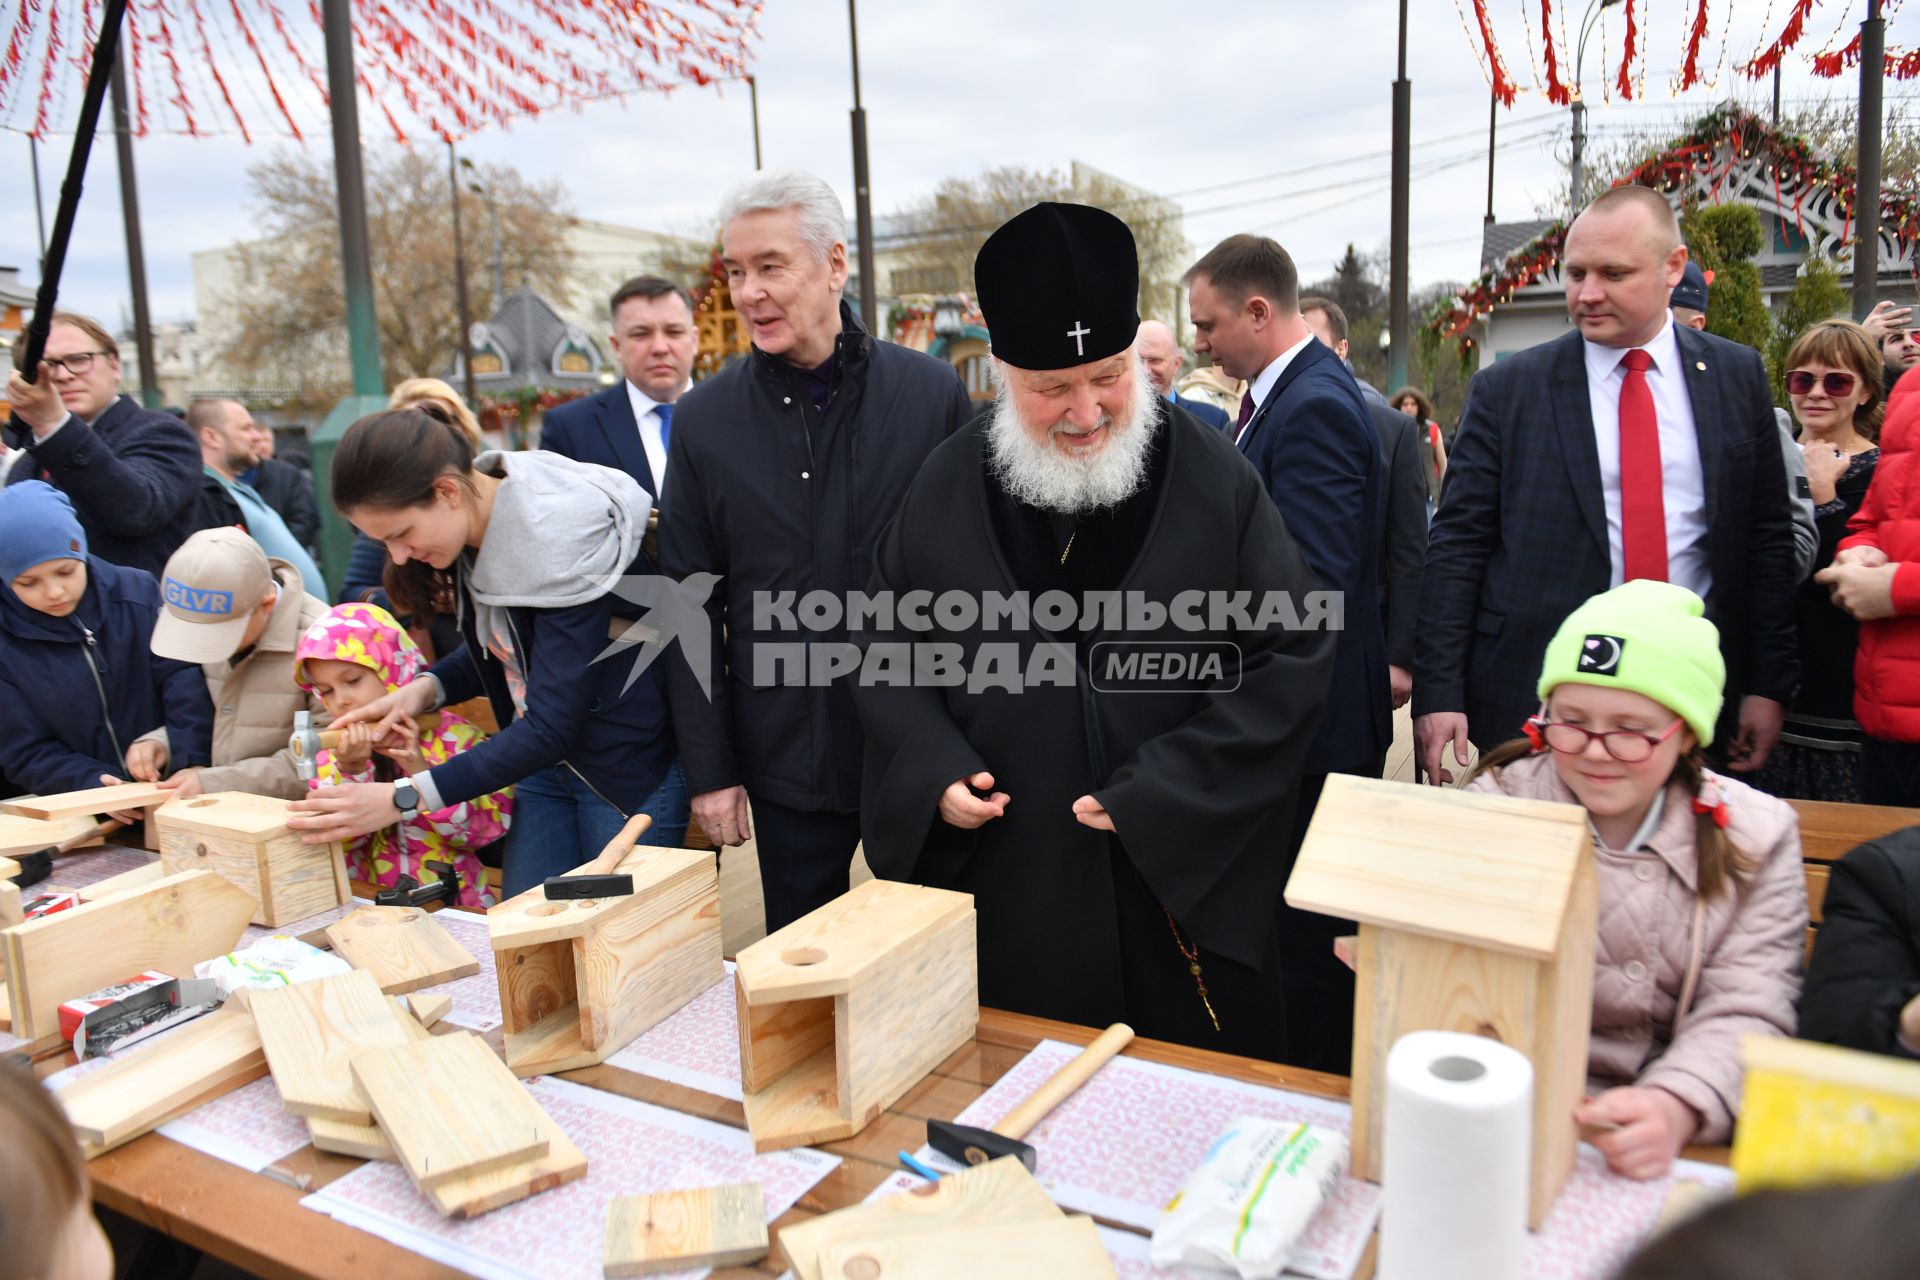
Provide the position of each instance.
(133, 475)
(618, 740)
(1317, 452)
(59, 729)
(1211, 415)
(364, 580)
(599, 428)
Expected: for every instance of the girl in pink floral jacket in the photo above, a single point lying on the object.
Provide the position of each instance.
(353, 654)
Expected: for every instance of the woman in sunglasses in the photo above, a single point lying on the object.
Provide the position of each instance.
(1702, 902)
(1833, 382)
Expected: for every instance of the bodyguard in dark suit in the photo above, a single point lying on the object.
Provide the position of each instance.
(629, 425)
(1160, 356)
(1403, 505)
(1628, 448)
(1305, 429)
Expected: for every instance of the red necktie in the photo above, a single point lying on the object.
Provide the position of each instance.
(1245, 416)
(1643, 512)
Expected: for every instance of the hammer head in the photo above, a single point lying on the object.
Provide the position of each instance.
(304, 744)
(968, 1145)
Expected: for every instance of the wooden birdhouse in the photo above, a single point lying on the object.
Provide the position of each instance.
(245, 838)
(580, 978)
(849, 1006)
(1476, 914)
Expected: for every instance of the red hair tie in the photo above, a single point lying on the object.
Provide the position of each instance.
(1718, 809)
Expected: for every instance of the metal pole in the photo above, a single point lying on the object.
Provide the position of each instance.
(499, 274)
(460, 283)
(130, 220)
(753, 96)
(1493, 125)
(105, 50)
(1776, 95)
(1866, 212)
(39, 208)
(363, 329)
(1397, 255)
(862, 194)
(1579, 145)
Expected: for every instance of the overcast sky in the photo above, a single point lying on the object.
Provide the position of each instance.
(1194, 101)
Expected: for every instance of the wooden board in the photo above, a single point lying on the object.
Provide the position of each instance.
(229, 813)
(1017, 1251)
(246, 839)
(402, 947)
(998, 1193)
(449, 1108)
(89, 803)
(30, 835)
(643, 964)
(311, 1032)
(529, 918)
(429, 1009)
(170, 926)
(126, 881)
(143, 1088)
(1491, 871)
(827, 951)
(365, 1141)
(678, 1230)
(471, 1197)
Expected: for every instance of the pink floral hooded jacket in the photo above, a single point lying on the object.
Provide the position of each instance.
(368, 636)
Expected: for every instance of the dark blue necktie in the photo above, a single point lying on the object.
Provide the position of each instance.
(666, 423)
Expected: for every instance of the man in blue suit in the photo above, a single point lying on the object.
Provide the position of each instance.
(629, 425)
(1304, 427)
(1628, 447)
(1160, 354)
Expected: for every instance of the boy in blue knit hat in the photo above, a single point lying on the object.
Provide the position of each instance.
(78, 683)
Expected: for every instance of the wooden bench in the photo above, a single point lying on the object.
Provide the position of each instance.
(1828, 831)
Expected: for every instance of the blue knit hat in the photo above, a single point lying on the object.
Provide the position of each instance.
(37, 524)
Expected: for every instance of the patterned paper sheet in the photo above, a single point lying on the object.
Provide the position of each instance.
(90, 866)
(631, 1148)
(476, 1000)
(1600, 1218)
(698, 1046)
(299, 928)
(1121, 1146)
(247, 1127)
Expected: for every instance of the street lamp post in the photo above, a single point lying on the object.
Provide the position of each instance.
(1587, 24)
(485, 192)
(460, 285)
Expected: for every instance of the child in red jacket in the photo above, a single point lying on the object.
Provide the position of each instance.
(1875, 576)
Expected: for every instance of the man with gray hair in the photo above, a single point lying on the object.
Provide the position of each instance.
(786, 466)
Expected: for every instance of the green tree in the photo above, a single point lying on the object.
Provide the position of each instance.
(1725, 238)
(1817, 295)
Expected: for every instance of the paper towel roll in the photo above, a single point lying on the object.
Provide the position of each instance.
(1454, 1162)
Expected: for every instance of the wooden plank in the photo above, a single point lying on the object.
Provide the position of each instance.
(678, 1230)
(549, 1045)
(20, 835)
(449, 1108)
(1490, 871)
(1828, 829)
(311, 1032)
(125, 882)
(534, 981)
(11, 910)
(639, 965)
(429, 1009)
(1818, 874)
(229, 813)
(471, 1197)
(402, 947)
(828, 950)
(528, 918)
(139, 1090)
(774, 1039)
(170, 926)
(998, 1193)
(343, 1139)
(89, 803)
(1018, 1251)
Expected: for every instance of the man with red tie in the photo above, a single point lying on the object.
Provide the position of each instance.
(1629, 448)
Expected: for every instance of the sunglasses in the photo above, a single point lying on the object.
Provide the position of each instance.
(1836, 384)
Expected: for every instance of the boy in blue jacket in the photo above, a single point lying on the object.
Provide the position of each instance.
(78, 682)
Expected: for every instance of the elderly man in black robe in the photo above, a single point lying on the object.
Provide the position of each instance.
(1103, 748)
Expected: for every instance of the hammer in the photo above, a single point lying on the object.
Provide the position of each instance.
(597, 879)
(970, 1145)
(306, 742)
(35, 867)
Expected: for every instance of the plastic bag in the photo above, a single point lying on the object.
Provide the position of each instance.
(1245, 1206)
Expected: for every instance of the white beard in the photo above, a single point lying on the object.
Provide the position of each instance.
(1040, 474)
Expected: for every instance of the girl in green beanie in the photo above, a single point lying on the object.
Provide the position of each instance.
(1702, 901)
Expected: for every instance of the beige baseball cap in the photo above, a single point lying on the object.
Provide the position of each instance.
(212, 583)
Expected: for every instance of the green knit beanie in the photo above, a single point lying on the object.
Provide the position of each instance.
(1650, 637)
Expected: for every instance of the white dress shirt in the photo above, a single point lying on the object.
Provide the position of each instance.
(1683, 483)
(1264, 380)
(644, 407)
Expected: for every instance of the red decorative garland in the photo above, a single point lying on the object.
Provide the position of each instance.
(1690, 65)
(1503, 88)
(446, 67)
(1762, 64)
(1625, 81)
(1557, 93)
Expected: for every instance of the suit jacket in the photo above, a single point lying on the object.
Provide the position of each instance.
(600, 428)
(1402, 529)
(1319, 458)
(1211, 415)
(1520, 538)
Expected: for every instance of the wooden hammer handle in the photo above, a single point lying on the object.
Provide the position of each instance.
(1022, 1118)
(620, 846)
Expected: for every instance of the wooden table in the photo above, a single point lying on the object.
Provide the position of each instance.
(255, 1222)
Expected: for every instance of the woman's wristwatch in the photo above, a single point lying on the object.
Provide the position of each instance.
(406, 798)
